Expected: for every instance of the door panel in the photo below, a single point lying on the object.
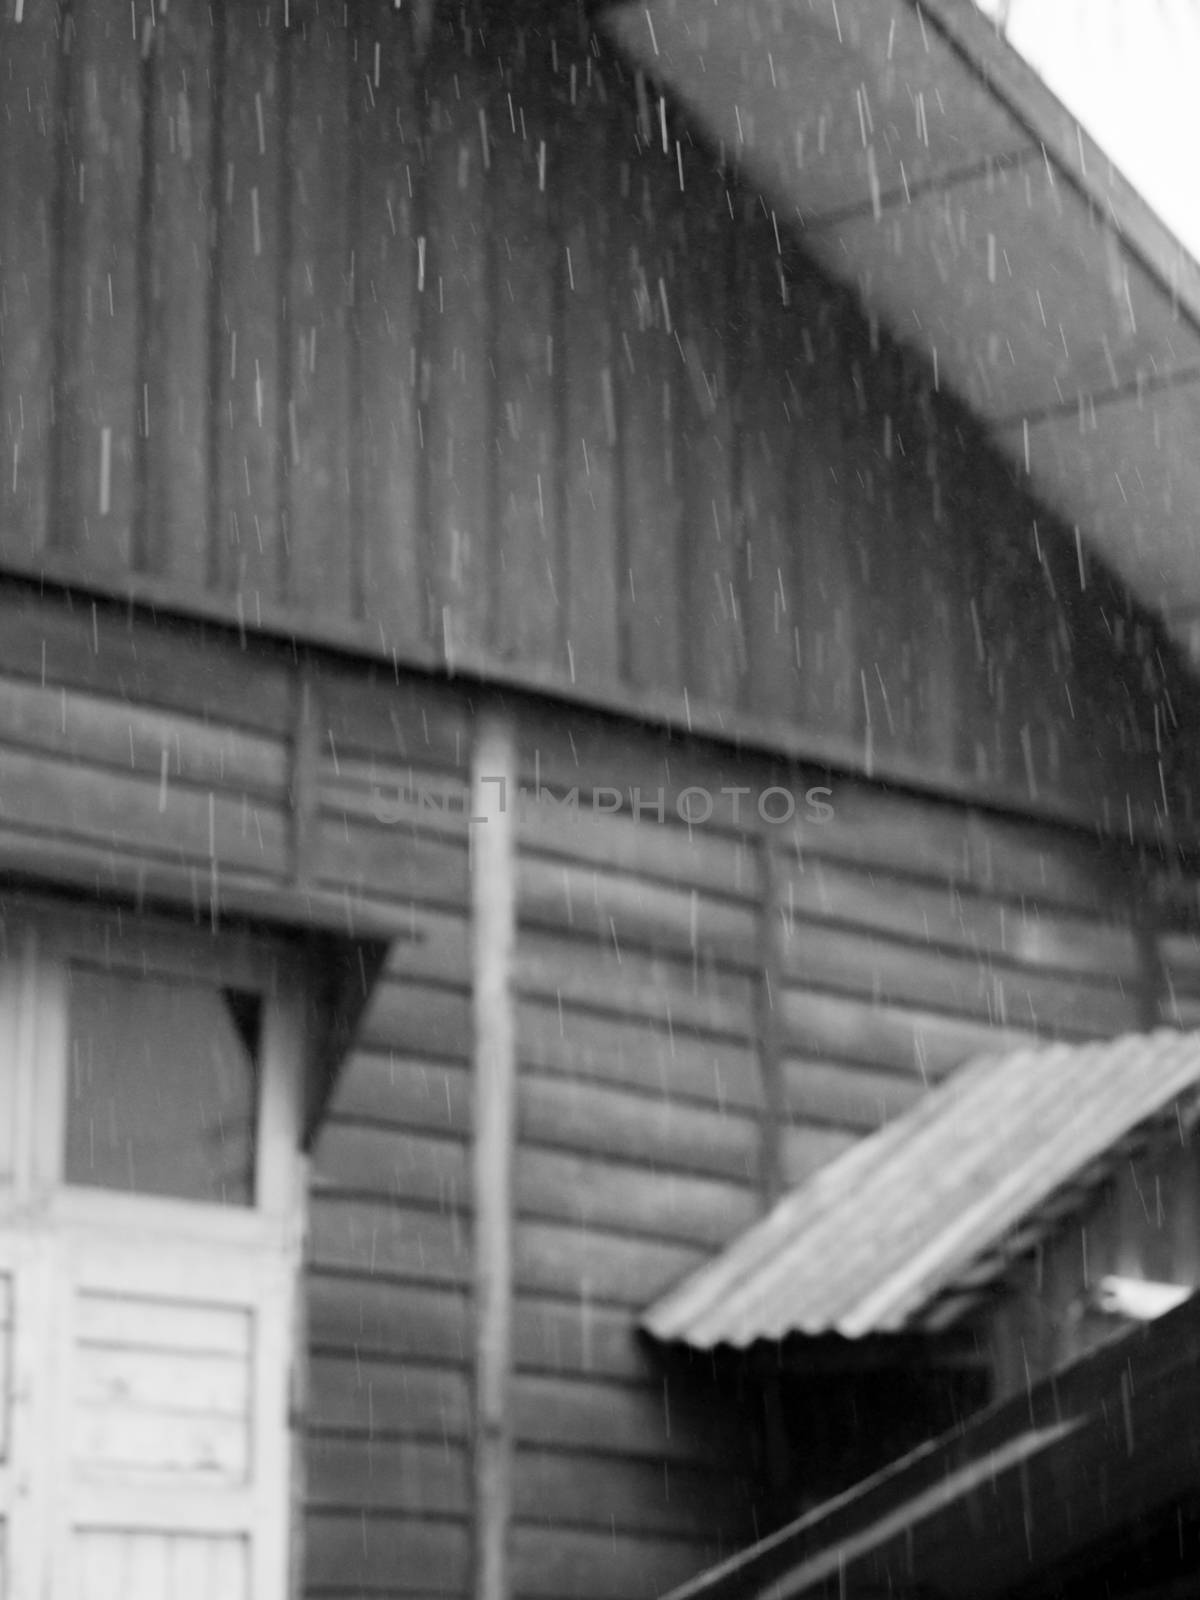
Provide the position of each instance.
(174, 1425)
(117, 1564)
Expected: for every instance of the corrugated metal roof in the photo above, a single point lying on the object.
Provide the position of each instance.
(907, 1216)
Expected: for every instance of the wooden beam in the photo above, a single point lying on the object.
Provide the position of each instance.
(493, 939)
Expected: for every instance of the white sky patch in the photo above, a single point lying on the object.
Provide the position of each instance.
(1129, 70)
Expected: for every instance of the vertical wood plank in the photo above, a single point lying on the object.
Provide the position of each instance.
(95, 456)
(457, 381)
(939, 658)
(145, 1566)
(251, 554)
(866, 531)
(173, 529)
(764, 410)
(228, 1567)
(30, 59)
(816, 493)
(526, 282)
(493, 937)
(188, 1568)
(879, 556)
(975, 743)
(323, 550)
(649, 378)
(386, 173)
(712, 589)
(589, 355)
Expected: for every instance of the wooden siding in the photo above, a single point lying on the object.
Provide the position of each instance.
(209, 770)
(478, 356)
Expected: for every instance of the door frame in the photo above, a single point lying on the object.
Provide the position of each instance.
(58, 1238)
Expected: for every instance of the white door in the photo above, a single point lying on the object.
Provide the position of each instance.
(149, 1245)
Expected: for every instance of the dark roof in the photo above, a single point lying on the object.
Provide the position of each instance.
(1038, 1485)
(928, 166)
(904, 1230)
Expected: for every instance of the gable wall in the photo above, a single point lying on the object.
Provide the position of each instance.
(478, 356)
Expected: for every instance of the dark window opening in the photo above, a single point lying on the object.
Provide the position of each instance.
(162, 1079)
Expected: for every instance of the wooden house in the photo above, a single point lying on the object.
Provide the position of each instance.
(589, 606)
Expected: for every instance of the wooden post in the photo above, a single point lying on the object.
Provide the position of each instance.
(493, 937)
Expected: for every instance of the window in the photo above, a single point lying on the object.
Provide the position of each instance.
(161, 1090)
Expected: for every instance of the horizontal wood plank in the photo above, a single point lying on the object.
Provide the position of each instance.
(626, 912)
(416, 1477)
(352, 1554)
(418, 1019)
(835, 1093)
(925, 1044)
(361, 1314)
(585, 1264)
(597, 1120)
(371, 1236)
(45, 795)
(672, 1060)
(156, 662)
(684, 1421)
(954, 917)
(662, 989)
(893, 971)
(355, 1160)
(549, 1563)
(356, 1396)
(391, 1090)
(618, 1195)
(169, 747)
(350, 1312)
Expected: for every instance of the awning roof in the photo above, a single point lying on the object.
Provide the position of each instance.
(905, 1231)
(928, 166)
(1041, 1485)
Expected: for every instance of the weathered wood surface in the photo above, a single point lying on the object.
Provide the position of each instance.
(641, 1106)
(478, 355)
